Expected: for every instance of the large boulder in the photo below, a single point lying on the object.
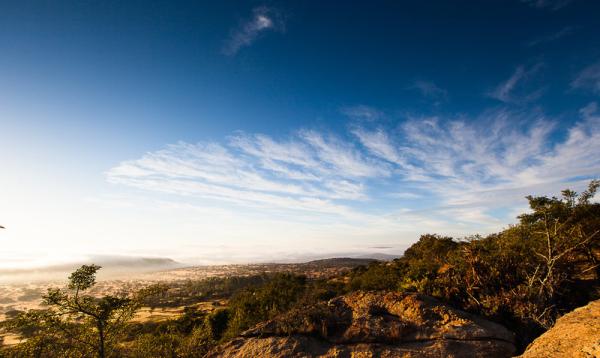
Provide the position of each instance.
(369, 324)
(576, 334)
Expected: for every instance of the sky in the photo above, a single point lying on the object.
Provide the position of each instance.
(220, 132)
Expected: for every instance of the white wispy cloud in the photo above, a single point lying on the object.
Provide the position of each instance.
(361, 112)
(565, 31)
(588, 78)
(430, 89)
(505, 91)
(406, 195)
(342, 157)
(464, 172)
(548, 4)
(379, 144)
(263, 19)
(307, 172)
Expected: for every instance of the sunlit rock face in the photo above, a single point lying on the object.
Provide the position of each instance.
(576, 334)
(368, 324)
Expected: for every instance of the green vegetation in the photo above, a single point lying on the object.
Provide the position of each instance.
(524, 277)
(75, 324)
(190, 292)
(254, 305)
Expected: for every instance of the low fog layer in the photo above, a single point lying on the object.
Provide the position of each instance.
(112, 267)
(116, 267)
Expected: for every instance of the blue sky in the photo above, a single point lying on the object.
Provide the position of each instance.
(240, 131)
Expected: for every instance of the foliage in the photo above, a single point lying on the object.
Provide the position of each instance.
(253, 305)
(194, 333)
(377, 276)
(189, 292)
(75, 324)
(524, 277)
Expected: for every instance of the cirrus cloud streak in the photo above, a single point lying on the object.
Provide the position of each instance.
(426, 172)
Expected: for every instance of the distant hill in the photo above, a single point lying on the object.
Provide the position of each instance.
(341, 261)
(321, 268)
(151, 268)
(380, 256)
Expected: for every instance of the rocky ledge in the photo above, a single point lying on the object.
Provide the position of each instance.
(370, 324)
(576, 334)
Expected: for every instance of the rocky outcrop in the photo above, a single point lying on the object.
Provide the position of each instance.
(367, 324)
(576, 334)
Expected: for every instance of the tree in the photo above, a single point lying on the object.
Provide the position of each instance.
(252, 305)
(565, 236)
(524, 277)
(78, 322)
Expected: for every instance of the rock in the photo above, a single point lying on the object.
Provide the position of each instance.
(370, 324)
(576, 334)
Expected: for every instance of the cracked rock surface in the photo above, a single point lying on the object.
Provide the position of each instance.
(373, 324)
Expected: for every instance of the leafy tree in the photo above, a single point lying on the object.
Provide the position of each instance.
(253, 305)
(217, 323)
(423, 261)
(76, 323)
(565, 239)
(525, 276)
(156, 344)
(376, 276)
